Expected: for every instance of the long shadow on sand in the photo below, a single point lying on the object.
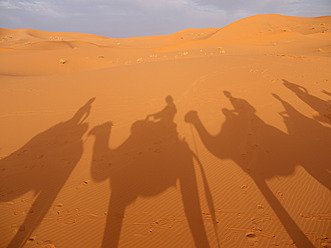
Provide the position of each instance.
(43, 165)
(322, 107)
(150, 160)
(312, 142)
(264, 152)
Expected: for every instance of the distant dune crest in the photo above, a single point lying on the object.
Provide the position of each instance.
(247, 28)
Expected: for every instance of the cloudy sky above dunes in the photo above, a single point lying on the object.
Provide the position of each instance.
(128, 18)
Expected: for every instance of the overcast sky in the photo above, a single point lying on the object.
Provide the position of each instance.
(128, 18)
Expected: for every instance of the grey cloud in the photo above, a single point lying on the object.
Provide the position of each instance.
(286, 7)
(125, 18)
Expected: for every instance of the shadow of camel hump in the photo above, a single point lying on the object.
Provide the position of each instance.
(149, 161)
(43, 165)
(262, 151)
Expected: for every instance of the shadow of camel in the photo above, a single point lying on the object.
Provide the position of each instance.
(322, 107)
(150, 160)
(259, 149)
(43, 165)
(312, 141)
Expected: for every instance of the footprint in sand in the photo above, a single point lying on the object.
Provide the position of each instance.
(82, 184)
(31, 239)
(260, 207)
(251, 238)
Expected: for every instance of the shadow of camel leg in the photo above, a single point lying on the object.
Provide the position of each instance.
(34, 217)
(191, 202)
(299, 238)
(114, 221)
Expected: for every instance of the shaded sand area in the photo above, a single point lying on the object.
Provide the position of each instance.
(202, 138)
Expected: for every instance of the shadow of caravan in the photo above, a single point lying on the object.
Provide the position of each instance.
(262, 151)
(149, 161)
(322, 107)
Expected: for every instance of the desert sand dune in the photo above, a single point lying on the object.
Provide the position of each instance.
(262, 25)
(237, 156)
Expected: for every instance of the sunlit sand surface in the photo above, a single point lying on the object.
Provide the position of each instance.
(216, 137)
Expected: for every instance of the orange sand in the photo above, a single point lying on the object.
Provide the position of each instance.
(202, 138)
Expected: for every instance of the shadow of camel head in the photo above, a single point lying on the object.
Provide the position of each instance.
(191, 116)
(105, 127)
